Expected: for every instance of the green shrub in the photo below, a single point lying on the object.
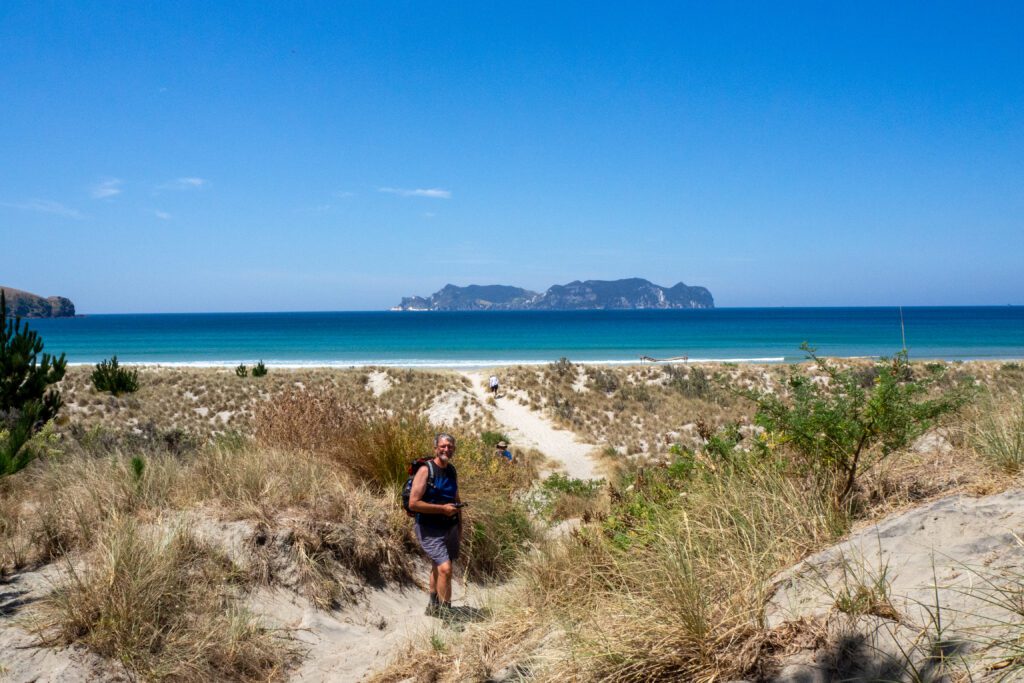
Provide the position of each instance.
(109, 376)
(494, 536)
(721, 445)
(241, 370)
(26, 400)
(840, 427)
(492, 438)
(259, 370)
(577, 487)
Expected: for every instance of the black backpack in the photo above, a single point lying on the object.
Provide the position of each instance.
(414, 467)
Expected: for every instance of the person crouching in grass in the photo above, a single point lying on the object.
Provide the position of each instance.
(435, 500)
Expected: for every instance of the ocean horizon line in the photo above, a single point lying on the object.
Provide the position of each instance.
(556, 311)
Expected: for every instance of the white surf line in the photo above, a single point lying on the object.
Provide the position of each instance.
(527, 428)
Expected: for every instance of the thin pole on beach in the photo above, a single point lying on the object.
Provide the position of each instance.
(903, 332)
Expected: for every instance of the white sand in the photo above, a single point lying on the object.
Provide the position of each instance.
(378, 382)
(941, 555)
(528, 429)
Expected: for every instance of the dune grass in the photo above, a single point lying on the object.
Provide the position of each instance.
(669, 586)
(375, 449)
(664, 580)
(998, 434)
(314, 499)
(165, 606)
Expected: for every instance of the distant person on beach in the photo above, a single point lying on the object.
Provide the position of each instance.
(435, 500)
(493, 384)
(501, 450)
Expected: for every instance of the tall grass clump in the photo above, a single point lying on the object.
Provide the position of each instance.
(109, 376)
(375, 450)
(373, 447)
(669, 586)
(679, 581)
(163, 605)
(998, 436)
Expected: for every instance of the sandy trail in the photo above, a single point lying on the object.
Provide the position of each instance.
(528, 429)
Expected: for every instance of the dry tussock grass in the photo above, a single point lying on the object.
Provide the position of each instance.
(207, 401)
(319, 491)
(164, 605)
(375, 449)
(373, 446)
(672, 593)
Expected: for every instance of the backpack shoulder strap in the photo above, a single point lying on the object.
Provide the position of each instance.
(430, 473)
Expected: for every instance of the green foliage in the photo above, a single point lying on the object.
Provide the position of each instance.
(839, 426)
(259, 370)
(584, 488)
(26, 400)
(241, 370)
(497, 531)
(683, 464)
(492, 438)
(721, 445)
(109, 376)
(138, 468)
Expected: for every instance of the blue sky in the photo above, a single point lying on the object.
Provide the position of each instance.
(324, 156)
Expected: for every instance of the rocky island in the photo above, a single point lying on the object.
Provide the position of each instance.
(27, 305)
(630, 293)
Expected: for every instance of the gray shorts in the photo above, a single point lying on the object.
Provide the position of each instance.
(441, 544)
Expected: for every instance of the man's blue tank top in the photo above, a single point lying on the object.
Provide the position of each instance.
(444, 490)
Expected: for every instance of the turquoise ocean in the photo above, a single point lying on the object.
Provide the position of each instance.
(479, 339)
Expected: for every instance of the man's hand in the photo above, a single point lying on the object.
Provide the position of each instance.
(449, 510)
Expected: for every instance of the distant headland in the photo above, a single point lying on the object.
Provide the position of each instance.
(28, 305)
(630, 293)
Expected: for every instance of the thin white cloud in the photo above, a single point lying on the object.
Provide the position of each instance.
(344, 194)
(433, 193)
(45, 206)
(187, 183)
(106, 189)
(162, 215)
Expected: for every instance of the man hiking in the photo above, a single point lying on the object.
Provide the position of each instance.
(435, 500)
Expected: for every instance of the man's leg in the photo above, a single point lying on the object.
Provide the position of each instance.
(444, 582)
(433, 582)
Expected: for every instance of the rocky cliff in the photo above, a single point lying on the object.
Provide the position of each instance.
(28, 305)
(630, 293)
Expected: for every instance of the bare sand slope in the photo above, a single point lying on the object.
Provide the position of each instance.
(346, 645)
(948, 571)
(349, 645)
(531, 430)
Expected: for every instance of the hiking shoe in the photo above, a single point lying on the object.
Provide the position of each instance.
(433, 610)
